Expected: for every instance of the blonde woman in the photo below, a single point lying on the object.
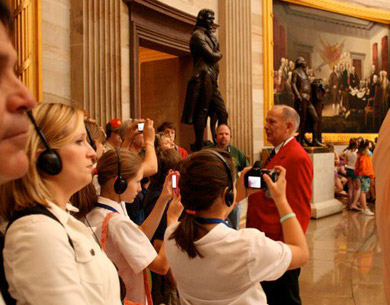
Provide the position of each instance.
(49, 256)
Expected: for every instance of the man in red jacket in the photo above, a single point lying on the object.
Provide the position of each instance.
(281, 124)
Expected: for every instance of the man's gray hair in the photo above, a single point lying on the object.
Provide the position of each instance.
(290, 115)
(123, 128)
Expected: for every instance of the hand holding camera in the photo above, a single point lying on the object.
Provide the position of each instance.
(277, 188)
(254, 177)
(149, 133)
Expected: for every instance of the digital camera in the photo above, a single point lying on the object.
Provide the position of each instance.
(254, 177)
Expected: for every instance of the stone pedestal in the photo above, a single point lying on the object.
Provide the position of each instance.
(323, 202)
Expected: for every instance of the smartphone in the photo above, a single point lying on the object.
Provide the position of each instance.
(174, 181)
(254, 182)
(141, 127)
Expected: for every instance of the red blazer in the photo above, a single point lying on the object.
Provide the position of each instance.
(262, 212)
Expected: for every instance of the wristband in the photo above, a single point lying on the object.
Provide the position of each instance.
(285, 217)
(149, 144)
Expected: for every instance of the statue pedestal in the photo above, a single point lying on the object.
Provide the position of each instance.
(323, 202)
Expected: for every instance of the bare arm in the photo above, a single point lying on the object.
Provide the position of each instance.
(292, 230)
(150, 165)
(151, 223)
(160, 263)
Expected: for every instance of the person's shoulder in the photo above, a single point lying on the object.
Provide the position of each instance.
(237, 150)
(34, 230)
(169, 230)
(296, 151)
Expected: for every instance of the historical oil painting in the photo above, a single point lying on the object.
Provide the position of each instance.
(349, 55)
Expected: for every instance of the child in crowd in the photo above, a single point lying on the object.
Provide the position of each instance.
(215, 264)
(354, 185)
(126, 244)
(365, 172)
(163, 290)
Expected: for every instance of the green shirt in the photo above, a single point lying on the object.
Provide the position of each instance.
(239, 158)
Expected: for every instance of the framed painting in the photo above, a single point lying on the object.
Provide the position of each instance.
(344, 45)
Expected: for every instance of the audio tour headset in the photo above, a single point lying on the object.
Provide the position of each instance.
(229, 195)
(49, 161)
(120, 184)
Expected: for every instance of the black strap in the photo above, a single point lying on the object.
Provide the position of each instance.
(35, 210)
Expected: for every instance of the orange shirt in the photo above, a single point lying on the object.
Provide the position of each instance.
(363, 166)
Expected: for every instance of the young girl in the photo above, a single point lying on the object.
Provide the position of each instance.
(214, 264)
(365, 172)
(350, 156)
(126, 244)
(54, 259)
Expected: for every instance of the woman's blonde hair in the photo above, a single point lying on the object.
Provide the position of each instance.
(53, 120)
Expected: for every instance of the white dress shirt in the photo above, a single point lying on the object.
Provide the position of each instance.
(41, 267)
(233, 264)
(127, 246)
(284, 143)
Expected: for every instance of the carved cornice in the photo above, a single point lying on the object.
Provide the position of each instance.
(354, 10)
(164, 9)
(148, 33)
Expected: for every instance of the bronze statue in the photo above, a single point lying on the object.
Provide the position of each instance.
(314, 123)
(203, 98)
(303, 105)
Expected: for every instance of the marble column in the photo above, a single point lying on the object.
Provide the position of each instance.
(236, 70)
(96, 60)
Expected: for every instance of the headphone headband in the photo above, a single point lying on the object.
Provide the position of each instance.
(228, 169)
(91, 142)
(120, 184)
(229, 195)
(38, 130)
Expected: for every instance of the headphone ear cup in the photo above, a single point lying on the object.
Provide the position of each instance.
(120, 185)
(50, 162)
(229, 197)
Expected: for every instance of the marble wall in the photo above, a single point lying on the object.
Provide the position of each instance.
(56, 57)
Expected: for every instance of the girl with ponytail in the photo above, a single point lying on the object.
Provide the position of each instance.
(212, 263)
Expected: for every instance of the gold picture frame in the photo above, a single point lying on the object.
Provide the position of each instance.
(367, 13)
(27, 40)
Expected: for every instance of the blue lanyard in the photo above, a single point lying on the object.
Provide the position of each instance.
(211, 221)
(105, 206)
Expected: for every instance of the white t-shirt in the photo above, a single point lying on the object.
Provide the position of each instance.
(351, 158)
(41, 267)
(233, 264)
(127, 246)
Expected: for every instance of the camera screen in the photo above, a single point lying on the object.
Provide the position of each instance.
(141, 126)
(254, 182)
(174, 184)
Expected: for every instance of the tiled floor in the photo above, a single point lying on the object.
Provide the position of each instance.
(345, 265)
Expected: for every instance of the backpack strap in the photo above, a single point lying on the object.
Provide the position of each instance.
(35, 210)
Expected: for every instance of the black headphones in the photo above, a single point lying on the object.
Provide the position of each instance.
(91, 142)
(229, 195)
(48, 161)
(120, 184)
